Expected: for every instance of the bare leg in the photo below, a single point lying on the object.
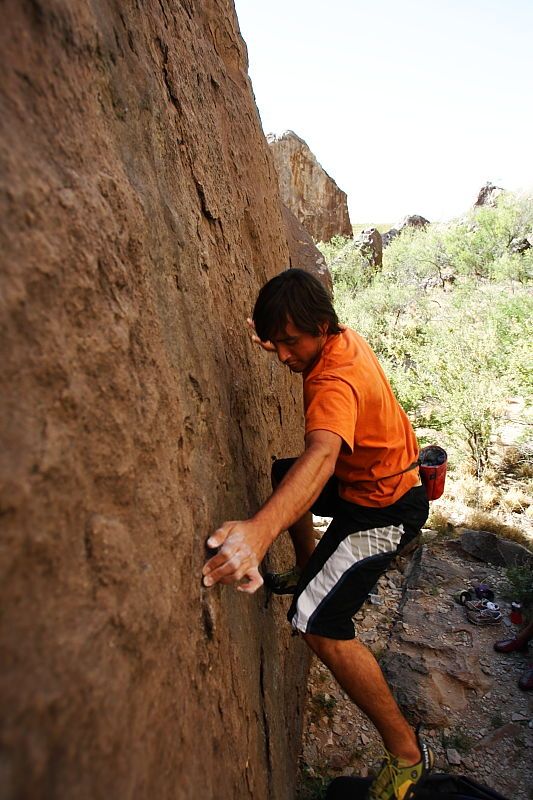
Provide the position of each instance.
(302, 535)
(303, 538)
(359, 674)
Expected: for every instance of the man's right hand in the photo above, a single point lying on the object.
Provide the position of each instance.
(241, 545)
(268, 346)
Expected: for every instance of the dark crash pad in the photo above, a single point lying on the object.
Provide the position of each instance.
(435, 787)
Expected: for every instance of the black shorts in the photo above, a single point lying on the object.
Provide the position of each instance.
(356, 549)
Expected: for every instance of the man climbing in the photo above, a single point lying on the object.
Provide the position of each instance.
(357, 467)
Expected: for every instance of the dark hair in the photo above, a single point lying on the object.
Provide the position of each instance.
(297, 296)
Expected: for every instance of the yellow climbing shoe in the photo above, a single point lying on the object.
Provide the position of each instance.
(397, 779)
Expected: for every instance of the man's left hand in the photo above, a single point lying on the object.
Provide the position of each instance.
(242, 547)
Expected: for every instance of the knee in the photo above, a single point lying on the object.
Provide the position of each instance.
(328, 648)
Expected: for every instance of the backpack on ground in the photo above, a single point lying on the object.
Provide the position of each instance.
(433, 787)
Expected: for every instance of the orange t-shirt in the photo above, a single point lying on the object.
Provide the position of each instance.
(347, 392)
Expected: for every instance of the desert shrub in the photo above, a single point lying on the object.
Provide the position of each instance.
(330, 250)
(454, 351)
(482, 243)
(418, 258)
(520, 586)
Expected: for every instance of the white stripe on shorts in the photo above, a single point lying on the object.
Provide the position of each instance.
(354, 548)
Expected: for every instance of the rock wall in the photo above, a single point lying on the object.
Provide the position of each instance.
(307, 190)
(139, 217)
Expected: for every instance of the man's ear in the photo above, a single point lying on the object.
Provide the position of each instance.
(324, 328)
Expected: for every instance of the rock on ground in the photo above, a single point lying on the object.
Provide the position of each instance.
(139, 217)
(487, 546)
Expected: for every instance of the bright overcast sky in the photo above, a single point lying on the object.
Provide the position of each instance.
(410, 106)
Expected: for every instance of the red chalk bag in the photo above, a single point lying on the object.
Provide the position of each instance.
(432, 464)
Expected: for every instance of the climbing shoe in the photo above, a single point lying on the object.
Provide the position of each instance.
(396, 779)
(283, 582)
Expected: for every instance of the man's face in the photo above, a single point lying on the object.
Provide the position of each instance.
(299, 350)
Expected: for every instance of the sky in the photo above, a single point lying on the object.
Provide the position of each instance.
(410, 105)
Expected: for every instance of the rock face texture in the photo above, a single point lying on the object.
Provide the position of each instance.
(139, 217)
(307, 190)
(303, 252)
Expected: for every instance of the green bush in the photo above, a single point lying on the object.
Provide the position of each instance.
(448, 317)
(520, 586)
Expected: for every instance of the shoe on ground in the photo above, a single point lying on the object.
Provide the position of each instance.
(479, 605)
(396, 778)
(483, 616)
(283, 582)
(510, 646)
(526, 681)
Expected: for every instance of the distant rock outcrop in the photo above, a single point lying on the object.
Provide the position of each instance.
(303, 252)
(139, 216)
(488, 195)
(307, 190)
(413, 221)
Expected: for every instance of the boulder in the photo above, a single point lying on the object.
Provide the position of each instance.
(412, 221)
(387, 237)
(521, 245)
(488, 195)
(139, 216)
(307, 190)
(370, 244)
(303, 253)
(487, 546)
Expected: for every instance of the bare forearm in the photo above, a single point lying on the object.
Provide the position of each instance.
(297, 492)
(243, 543)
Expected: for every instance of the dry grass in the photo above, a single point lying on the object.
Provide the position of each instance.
(516, 500)
(476, 520)
(518, 462)
(500, 502)
(503, 509)
(439, 521)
